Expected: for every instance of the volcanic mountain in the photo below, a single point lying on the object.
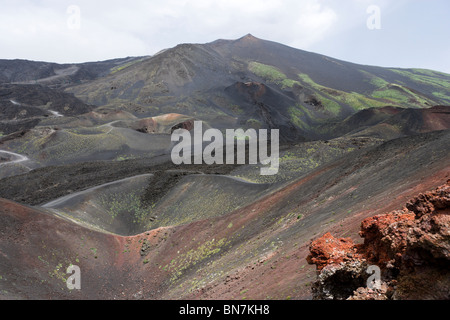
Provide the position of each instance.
(86, 176)
(249, 81)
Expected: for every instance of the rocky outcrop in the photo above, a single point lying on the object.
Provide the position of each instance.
(410, 248)
(187, 125)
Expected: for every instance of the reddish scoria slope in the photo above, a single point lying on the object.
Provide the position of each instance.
(36, 248)
(256, 252)
(265, 244)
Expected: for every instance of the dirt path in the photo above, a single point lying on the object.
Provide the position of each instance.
(20, 158)
(59, 201)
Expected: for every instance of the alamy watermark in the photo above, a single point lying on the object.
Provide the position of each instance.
(218, 147)
(374, 20)
(74, 280)
(374, 281)
(74, 18)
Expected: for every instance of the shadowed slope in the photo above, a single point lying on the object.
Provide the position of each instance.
(390, 123)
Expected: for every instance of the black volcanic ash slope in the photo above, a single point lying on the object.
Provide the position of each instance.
(296, 90)
(56, 75)
(24, 106)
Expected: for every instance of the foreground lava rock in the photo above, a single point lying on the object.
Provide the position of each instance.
(409, 247)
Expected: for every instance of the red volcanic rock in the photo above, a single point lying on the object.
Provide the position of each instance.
(340, 268)
(423, 225)
(166, 123)
(385, 236)
(410, 246)
(330, 250)
(146, 125)
(430, 202)
(188, 125)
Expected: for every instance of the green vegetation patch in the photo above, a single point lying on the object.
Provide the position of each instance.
(439, 81)
(289, 83)
(253, 123)
(373, 79)
(330, 105)
(331, 98)
(296, 115)
(401, 96)
(199, 203)
(71, 143)
(272, 74)
(437, 94)
(125, 204)
(267, 72)
(304, 158)
(427, 77)
(195, 256)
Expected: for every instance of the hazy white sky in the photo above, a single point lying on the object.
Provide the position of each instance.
(410, 33)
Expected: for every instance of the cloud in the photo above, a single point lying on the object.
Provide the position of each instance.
(42, 32)
(39, 30)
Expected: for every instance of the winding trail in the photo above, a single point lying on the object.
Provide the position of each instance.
(20, 158)
(59, 74)
(59, 201)
(56, 113)
(110, 125)
(234, 178)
